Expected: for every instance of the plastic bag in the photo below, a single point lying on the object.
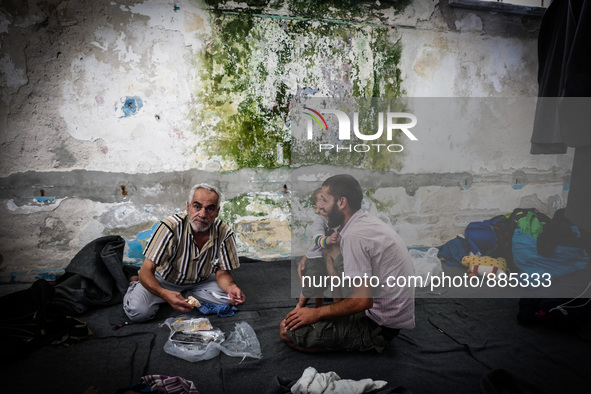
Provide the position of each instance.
(196, 345)
(191, 345)
(242, 342)
(427, 264)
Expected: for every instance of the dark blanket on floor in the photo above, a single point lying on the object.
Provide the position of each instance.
(459, 345)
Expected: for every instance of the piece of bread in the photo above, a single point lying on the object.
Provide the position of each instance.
(202, 325)
(193, 301)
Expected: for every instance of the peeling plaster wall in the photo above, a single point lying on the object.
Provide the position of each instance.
(111, 110)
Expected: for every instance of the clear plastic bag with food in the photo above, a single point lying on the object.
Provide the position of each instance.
(193, 339)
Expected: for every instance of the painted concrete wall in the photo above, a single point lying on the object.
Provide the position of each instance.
(111, 110)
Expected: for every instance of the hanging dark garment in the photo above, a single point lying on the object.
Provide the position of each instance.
(546, 138)
(563, 112)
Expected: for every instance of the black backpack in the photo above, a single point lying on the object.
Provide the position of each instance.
(27, 322)
(505, 226)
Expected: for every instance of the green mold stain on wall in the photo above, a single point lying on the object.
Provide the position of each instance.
(253, 65)
(242, 117)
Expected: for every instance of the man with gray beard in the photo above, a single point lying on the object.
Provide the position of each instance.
(191, 253)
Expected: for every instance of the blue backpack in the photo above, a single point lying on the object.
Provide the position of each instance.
(481, 237)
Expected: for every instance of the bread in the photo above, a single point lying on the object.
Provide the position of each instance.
(202, 325)
(193, 301)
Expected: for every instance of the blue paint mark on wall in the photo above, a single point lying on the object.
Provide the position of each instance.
(49, 275)
(135, 248)
(45, 199)
(22, 277)
(130, 106)
(307, 91)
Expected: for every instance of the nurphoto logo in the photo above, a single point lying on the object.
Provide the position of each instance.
(395, 121)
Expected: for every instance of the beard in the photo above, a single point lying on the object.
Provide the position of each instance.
(335, 217)
(200, 226)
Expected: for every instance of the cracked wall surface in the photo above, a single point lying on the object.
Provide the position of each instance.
(111, 110)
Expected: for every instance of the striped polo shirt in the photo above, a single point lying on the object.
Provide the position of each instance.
(178, 259)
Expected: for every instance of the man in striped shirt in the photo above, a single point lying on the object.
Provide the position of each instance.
(372, 252)
(191, 253)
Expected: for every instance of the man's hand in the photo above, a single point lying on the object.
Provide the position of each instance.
(148, 280)
(226, 283)
(177, 301)
(236, 295)
(300, 316)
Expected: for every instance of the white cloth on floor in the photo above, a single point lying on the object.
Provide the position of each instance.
(314, 382)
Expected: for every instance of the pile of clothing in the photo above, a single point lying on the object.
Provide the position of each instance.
(524, 240)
